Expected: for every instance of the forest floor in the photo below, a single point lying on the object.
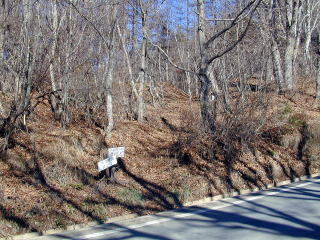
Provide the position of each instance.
(49, 178)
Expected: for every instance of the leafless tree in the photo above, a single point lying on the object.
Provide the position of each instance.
(19, 64)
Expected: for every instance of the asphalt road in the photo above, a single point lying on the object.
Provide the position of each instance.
(288, 212)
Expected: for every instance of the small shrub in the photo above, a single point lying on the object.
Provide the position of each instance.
(311, 149)
(77, 186)
(314, 158)
(59, 223)
(274, 153)
(172, 198)
(285, 112)
(183, 195)
(291, 140)
(288, 116)
(296, 120)
(131, 196)
(101, 211)
(58, 172)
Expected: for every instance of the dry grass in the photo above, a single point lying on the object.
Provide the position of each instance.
(48, 179)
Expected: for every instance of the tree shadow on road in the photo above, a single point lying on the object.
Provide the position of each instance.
(248, 217)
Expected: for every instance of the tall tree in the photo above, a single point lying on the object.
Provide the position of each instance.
(20, 63)
(318, 75)
(142, 72)
(292, 17)
(208, 109)
(110, 70)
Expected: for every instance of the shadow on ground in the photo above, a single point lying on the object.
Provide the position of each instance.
(35, 176)
(247, 220)
(161, 197)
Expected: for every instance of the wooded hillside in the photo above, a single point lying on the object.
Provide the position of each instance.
(207, 97)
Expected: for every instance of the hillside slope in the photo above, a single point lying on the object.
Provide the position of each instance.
(50, 178)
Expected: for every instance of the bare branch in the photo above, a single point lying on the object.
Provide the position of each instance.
(235, 21)
(168, 58)
(240, 38)
(90, 22)
(233, 45)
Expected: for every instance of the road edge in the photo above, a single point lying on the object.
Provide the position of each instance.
(29, 236)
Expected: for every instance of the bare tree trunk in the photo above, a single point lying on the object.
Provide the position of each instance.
(143, 64)
(293, 14)
(307, 30)
(269, 70)
(54, 101)
(124, 48)
(24, 76)
(205, 83)
(2, 28)
(109, 81)
(109, 77)
(65, 116)
(2, 40)
(288, 62)
(318, 75)
(318, 80)
(134, 93)
(188, 77)
(311, 8)
(278, 73)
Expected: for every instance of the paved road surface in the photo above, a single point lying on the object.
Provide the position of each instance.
(288, 212)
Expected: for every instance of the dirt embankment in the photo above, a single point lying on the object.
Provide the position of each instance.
(49, 179)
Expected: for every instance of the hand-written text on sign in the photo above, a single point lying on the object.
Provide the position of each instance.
(117, 152)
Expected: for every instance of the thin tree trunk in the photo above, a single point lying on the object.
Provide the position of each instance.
(2, 29)
(318, 80)
(278, 75)
(307, 29)
(293, 9)
(54, 101)
(188, 77)
(318, 75)
(122, 40)
(109, 76)
(2, 40)
(269, 70)
(143, 65)
(109, 81)
(134, 93)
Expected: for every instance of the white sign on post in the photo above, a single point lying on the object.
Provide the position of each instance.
(106, 163)
(118, 152)
(113, 154)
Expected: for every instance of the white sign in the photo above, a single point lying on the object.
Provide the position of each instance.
(113, 154)
(116, 152)
(106, 163)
